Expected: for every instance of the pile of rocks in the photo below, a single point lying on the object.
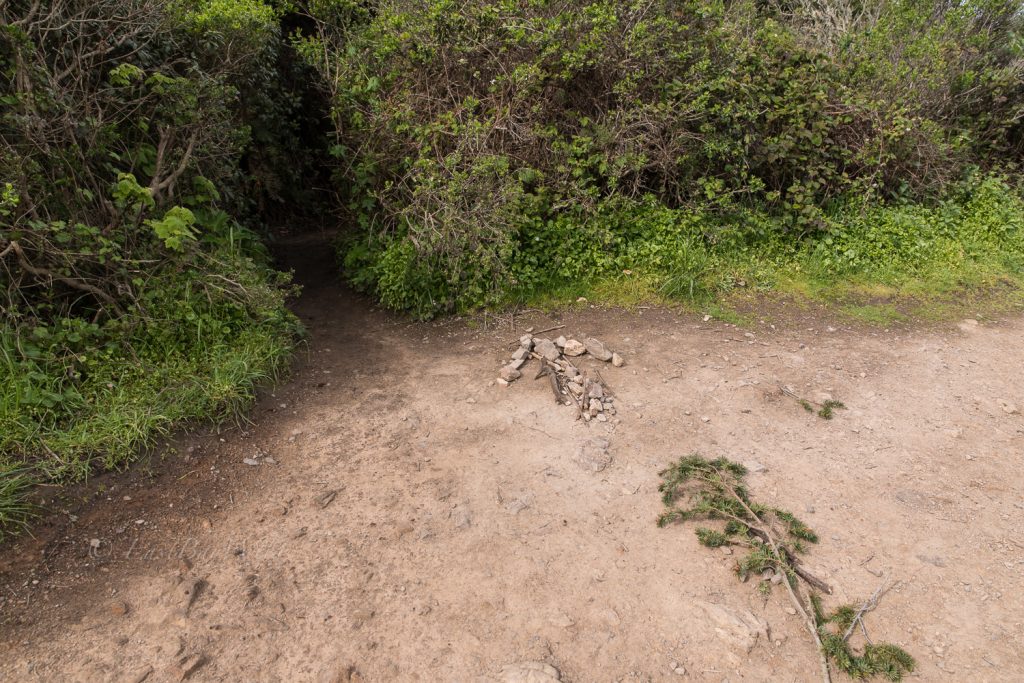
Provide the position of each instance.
(587, 391)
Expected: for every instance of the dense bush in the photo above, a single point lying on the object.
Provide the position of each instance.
(467, 131)
(137, 138)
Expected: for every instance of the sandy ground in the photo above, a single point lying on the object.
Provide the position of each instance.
(413, 520)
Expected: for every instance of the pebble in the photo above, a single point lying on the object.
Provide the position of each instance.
(119, 608)
(754, 467)
(705, 419)
(617, 360)
(251, 461)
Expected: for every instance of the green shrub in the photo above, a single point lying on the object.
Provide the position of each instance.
(132, 298)
(972, 238)
(514, 144)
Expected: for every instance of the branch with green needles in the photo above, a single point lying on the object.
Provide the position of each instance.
(825, 410)
(700, 489)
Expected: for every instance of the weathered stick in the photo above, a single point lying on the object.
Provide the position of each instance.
(868, 605)
(549, 329)
(797, 602)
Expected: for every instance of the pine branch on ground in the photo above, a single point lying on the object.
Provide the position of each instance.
(699, 489)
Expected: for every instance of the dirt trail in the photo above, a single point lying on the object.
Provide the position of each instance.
(464, 536)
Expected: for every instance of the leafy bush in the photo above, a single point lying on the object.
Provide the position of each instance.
(480, 134)
(134, 136)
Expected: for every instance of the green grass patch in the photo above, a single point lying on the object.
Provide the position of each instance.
(875, 263)
(874, 314)
(77, 396)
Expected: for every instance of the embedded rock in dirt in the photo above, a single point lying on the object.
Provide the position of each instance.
(597, 349)
(186, 667)
(509, 373)
(139, 675)
(344, 674)
(574, 348)
(740, 628)
(461, 518)
(546, 348)
(529, 672)
(593, 455)
(1008, 408)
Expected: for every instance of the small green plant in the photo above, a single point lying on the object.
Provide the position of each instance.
(827, 407)
(825, 410)
(15, 509)
(773, 539)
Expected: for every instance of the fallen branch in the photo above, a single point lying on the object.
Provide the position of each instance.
(773, 538)
(74, 283)
(868, 605)
(549, 329)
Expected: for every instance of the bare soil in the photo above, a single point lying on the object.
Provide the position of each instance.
(413, 520)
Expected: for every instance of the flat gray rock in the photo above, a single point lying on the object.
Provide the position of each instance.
(546, 348)
(597, 349)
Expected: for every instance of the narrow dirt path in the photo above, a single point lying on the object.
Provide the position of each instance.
(411, 520)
